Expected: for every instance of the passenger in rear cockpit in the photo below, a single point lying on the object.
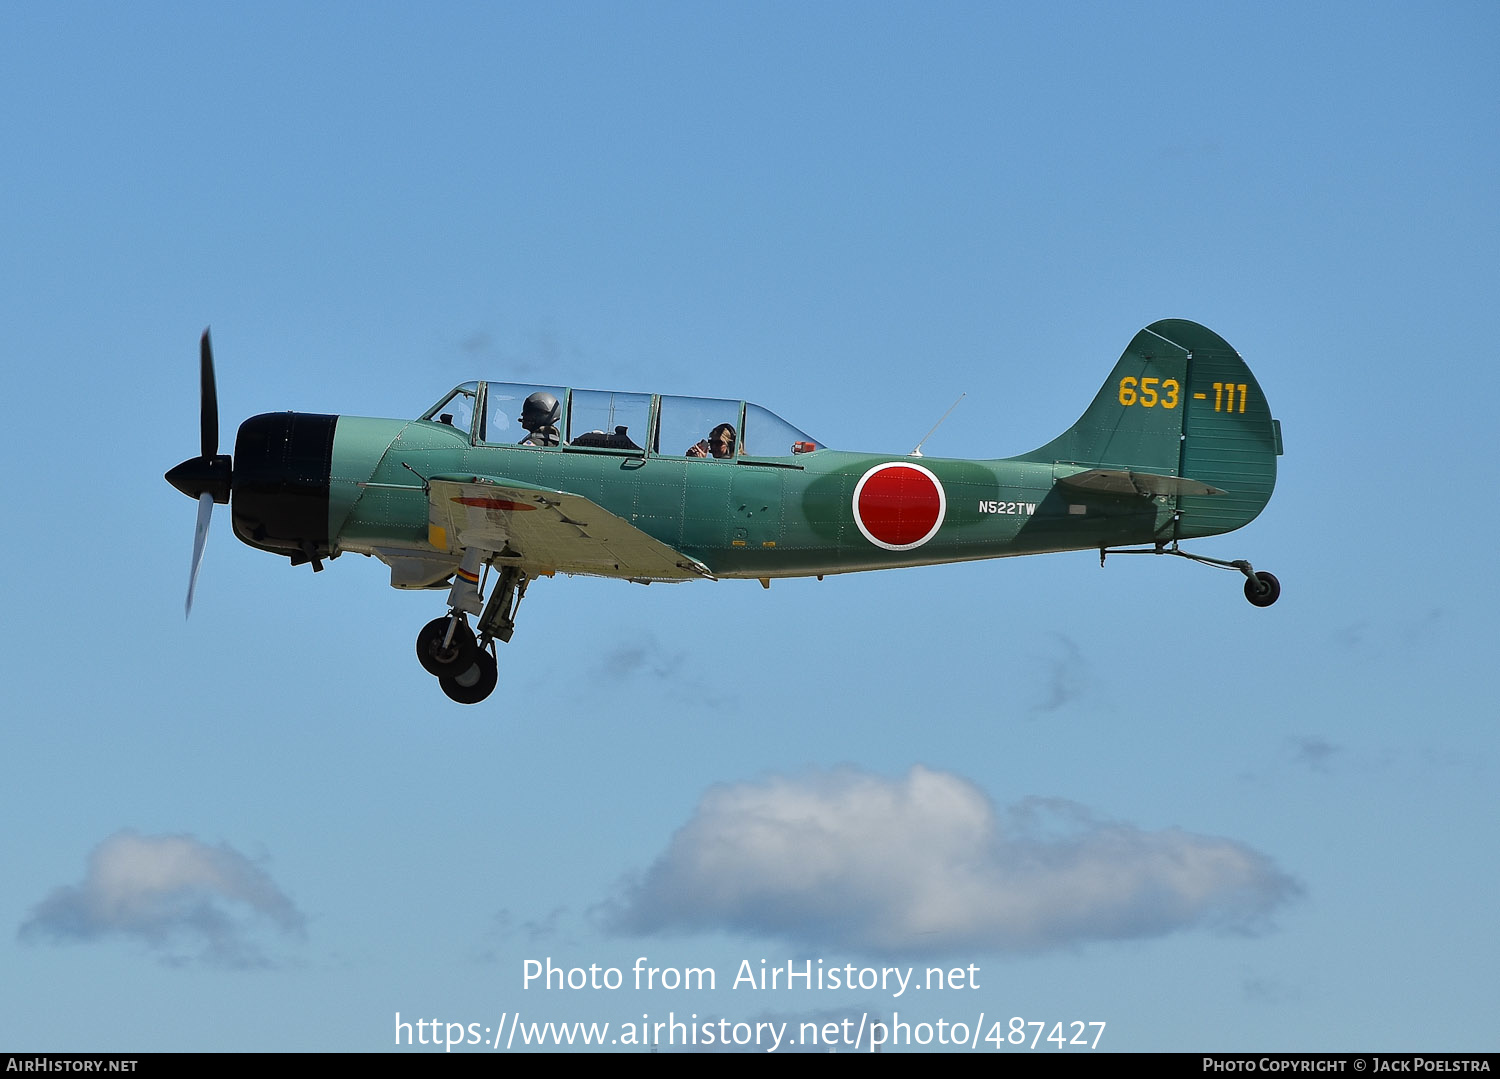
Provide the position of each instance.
(719, 443)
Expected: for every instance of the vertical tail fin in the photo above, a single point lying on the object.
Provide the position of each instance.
(1179, 403)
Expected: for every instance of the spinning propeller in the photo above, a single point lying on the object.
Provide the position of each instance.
(208, 476)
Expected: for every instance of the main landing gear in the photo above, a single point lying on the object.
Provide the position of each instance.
(1261, 588)
(463, 662)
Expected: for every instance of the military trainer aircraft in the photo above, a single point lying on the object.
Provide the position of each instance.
(500, 483)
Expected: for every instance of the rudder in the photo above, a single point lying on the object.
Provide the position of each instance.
(1230, 440)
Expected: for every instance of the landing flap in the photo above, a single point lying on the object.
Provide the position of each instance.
(543, 530)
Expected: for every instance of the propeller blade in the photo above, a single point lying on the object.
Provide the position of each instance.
(209, 394)
(200, 540)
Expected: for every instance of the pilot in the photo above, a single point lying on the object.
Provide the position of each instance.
(719, 443)
(539, 415)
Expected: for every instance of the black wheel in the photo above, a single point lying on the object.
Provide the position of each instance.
(476, 683)
(458, 656)
(1264, 590)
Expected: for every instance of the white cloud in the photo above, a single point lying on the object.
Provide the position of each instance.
(168, 891)
(925, 865)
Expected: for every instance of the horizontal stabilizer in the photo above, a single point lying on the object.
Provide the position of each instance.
(1119, 481)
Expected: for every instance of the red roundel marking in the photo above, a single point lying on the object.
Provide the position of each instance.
(487, 503)
(899, 506)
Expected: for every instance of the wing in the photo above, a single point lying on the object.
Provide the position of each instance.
(544, 531)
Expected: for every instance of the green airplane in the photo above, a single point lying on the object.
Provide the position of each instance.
(501, 483)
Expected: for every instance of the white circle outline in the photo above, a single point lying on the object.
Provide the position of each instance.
(942, 506)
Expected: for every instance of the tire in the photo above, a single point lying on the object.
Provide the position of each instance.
(484, 673)
(440, 661)
(1264, 590)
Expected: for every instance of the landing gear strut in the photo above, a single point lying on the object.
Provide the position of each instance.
(463, 662)
(1261, 588)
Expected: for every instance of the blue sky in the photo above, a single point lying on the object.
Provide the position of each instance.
(1134, 798)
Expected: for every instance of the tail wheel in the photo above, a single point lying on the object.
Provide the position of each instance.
(476, 683)
(1263, 589)
(457, 655)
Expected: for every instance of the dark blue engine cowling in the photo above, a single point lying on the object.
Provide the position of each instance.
(281, 468)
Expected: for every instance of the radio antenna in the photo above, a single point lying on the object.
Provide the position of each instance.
(917, 449)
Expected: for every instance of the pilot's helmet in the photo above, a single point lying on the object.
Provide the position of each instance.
(540, 410)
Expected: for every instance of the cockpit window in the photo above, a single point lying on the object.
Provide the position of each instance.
(695, 427)
(606, 419)
(768, 435)
(456, 409)
(517, 414)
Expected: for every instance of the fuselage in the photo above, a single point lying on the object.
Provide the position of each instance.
(812, 513)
